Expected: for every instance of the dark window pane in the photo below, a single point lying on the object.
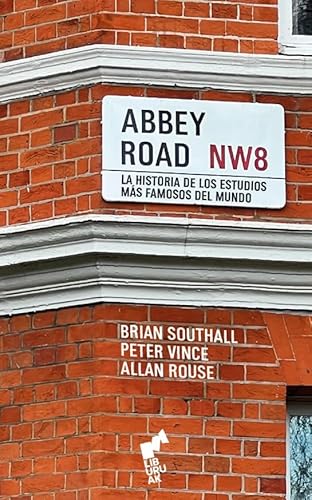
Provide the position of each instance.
(300, 430)
(302, 17)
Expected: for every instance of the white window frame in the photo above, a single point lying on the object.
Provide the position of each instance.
(294, 408)
(288, 43)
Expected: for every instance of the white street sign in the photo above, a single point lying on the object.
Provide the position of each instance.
(193, 152)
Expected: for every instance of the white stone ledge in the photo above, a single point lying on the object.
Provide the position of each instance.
(149, 66)
(95, 258)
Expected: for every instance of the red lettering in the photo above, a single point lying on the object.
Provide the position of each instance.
(240, 157)
(214, 155)
(261, 162)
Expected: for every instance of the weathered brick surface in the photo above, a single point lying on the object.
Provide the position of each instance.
(33, 27)
(50, 157)
(71, 426)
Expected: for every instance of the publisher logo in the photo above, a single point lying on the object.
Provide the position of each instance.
(153, 467)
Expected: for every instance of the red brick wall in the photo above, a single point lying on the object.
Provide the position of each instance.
(69, 424)
(32, 27)
(50, 153)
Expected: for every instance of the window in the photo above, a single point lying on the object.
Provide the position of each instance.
(299, 485)
(302, 17)
(295, 27)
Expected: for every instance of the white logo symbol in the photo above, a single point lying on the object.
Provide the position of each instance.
(148, 448)
(153, 468)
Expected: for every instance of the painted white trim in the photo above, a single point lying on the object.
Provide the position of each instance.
(155, 236)
(185, 262)
(149, 66)
(292, 48)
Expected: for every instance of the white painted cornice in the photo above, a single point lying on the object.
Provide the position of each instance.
(124, 65)
(97, 258)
